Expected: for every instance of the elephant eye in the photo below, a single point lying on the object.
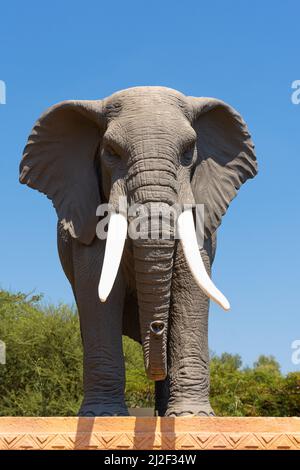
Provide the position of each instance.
(109, 156)
(110, 150)
(186, 158)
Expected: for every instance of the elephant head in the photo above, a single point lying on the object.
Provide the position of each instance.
(154, 146)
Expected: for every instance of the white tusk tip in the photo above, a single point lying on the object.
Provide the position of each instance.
(226, 305)
(223, 302)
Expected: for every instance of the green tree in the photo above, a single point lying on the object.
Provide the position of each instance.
(258, 391)
(43, 370)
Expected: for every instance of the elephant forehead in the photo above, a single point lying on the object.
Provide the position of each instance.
(151, 129)
(144, 91)
(145, 99)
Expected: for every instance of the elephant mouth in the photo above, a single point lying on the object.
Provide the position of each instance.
(116, 236)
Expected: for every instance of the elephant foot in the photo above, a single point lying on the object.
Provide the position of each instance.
(194, 409)
(91, 410)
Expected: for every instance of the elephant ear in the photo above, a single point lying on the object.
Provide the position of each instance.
(59, 161)
(225, 157)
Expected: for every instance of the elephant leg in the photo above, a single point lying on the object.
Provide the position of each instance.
(188, 356)
(101, 331)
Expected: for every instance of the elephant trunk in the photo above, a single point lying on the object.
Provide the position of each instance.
(153, 270)
(153, 251)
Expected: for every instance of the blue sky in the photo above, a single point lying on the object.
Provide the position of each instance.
(246, 53)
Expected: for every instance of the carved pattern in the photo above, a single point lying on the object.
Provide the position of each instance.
(151, 439)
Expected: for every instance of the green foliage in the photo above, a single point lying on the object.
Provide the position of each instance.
(42, 375)
(258, 391)
(43, 371)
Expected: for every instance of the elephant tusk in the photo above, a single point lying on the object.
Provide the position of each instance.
(187, 235)
(116, 236)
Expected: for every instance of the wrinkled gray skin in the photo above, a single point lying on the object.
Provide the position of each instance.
(151, 144)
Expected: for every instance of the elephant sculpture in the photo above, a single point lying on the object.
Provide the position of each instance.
(154, 147)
